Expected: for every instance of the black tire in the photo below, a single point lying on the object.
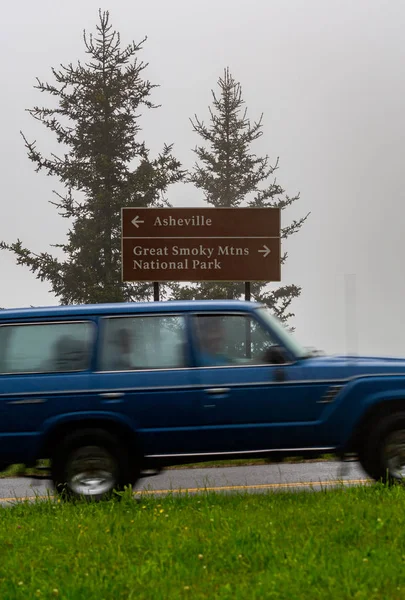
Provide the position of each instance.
(385, 441)
(108, 465)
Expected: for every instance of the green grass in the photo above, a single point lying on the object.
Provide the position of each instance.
(334, 544)
(20, 470)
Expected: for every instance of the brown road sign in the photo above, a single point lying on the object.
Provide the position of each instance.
(229, 259)
(207, 244)
(197, 222)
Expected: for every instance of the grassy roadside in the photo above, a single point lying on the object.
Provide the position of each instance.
(336, 544)
(21, 470)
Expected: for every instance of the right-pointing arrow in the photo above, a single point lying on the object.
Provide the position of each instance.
(266, 251)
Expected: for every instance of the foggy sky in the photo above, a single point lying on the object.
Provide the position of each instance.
(329, 76)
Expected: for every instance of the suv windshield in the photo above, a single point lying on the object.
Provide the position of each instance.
(285, 338)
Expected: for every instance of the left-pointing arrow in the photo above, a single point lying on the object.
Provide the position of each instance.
(136, 221)
(266, 251)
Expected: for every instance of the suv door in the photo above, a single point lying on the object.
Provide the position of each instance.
(248, 404)
(145, 375)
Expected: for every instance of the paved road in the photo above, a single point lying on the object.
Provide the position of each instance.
(315, 475)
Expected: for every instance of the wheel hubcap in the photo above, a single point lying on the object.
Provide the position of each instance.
(394, 454)
(91, 471)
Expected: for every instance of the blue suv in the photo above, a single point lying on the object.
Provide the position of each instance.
(104, 391)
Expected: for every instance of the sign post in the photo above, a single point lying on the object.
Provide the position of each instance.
(201, 244)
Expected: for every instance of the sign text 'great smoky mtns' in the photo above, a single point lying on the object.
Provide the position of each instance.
(201, 244)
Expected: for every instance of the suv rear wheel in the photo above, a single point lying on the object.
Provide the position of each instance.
(91, 464)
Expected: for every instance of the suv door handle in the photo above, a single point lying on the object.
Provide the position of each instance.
(217, 390)
(279, 375)
(112, 395)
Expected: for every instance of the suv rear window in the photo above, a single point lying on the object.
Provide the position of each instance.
(46, 347)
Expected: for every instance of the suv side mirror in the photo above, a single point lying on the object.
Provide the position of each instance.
(275, 355)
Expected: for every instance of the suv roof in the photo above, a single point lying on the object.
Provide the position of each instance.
(129, 307)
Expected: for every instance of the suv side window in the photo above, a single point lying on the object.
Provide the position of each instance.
(46, 347)
(231, 340)
(144, 342)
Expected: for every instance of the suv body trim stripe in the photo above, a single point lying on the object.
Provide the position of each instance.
(193, 386)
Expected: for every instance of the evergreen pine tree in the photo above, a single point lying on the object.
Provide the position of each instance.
(103, 165)
(230, 175)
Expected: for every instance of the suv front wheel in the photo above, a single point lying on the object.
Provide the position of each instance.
(92, 464)
(383, 454)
